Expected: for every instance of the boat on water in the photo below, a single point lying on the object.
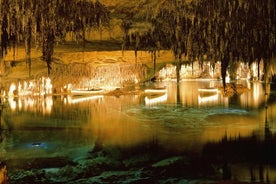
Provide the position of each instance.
(86, 91)
(207, 95)
(206, 92)
(156, 98)
(81, 98)
(209, 90)
(155, 95)
(156, 90)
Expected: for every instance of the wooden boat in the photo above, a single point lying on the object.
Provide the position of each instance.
(156, 90)
(208, 99)
(155, 98)
(206, 92)
(86, 91)
(82, 98)
(207, 95)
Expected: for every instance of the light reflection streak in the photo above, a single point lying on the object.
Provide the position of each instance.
(208, 90)
(157, 90)
(255, 98)
(88, 92)
(72, 100)
(38, 87)
(31, 104)
(12, 103)
(256, 92)
(20, 104)
(48, 104)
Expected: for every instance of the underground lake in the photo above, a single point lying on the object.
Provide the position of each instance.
(185, 132)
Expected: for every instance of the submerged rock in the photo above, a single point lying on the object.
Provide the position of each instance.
(232, 89)
(168, 161)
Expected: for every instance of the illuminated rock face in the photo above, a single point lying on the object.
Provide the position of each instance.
(209, 71)
(27, 94)
(190, 71)
(39, 87)
(111, 76)
(79, 76)
(88, 76)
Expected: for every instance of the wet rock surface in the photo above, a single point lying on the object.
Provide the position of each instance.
(142, 164)
(232, 89)
(147, 163)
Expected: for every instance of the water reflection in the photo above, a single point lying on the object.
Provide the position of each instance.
(77, 99)
(255, 98)
(208, 117)
(60, 125)
(32, 104)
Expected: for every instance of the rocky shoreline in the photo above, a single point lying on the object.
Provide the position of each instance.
(142, 164)
(145, 163)
(232, 89)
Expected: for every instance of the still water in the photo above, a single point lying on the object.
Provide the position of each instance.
(66, 126)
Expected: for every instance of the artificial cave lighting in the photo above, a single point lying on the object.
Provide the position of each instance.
(48, 86)
(189, 71)
(107, 77)
(207, 70)
(254, 70)
(167, 72)
(227, 78)
(211, 70)
(38, 87)
(33, 95)
(11, 90)
(243, 72)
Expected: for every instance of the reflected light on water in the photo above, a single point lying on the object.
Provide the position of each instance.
(128, 119)
(255, 98)
(112, 125)
(32, 104)
(48, 105)
(231, 125)
(29, 103)
(78, 99)
(257, 90)
(12, 103)
(20, 104)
